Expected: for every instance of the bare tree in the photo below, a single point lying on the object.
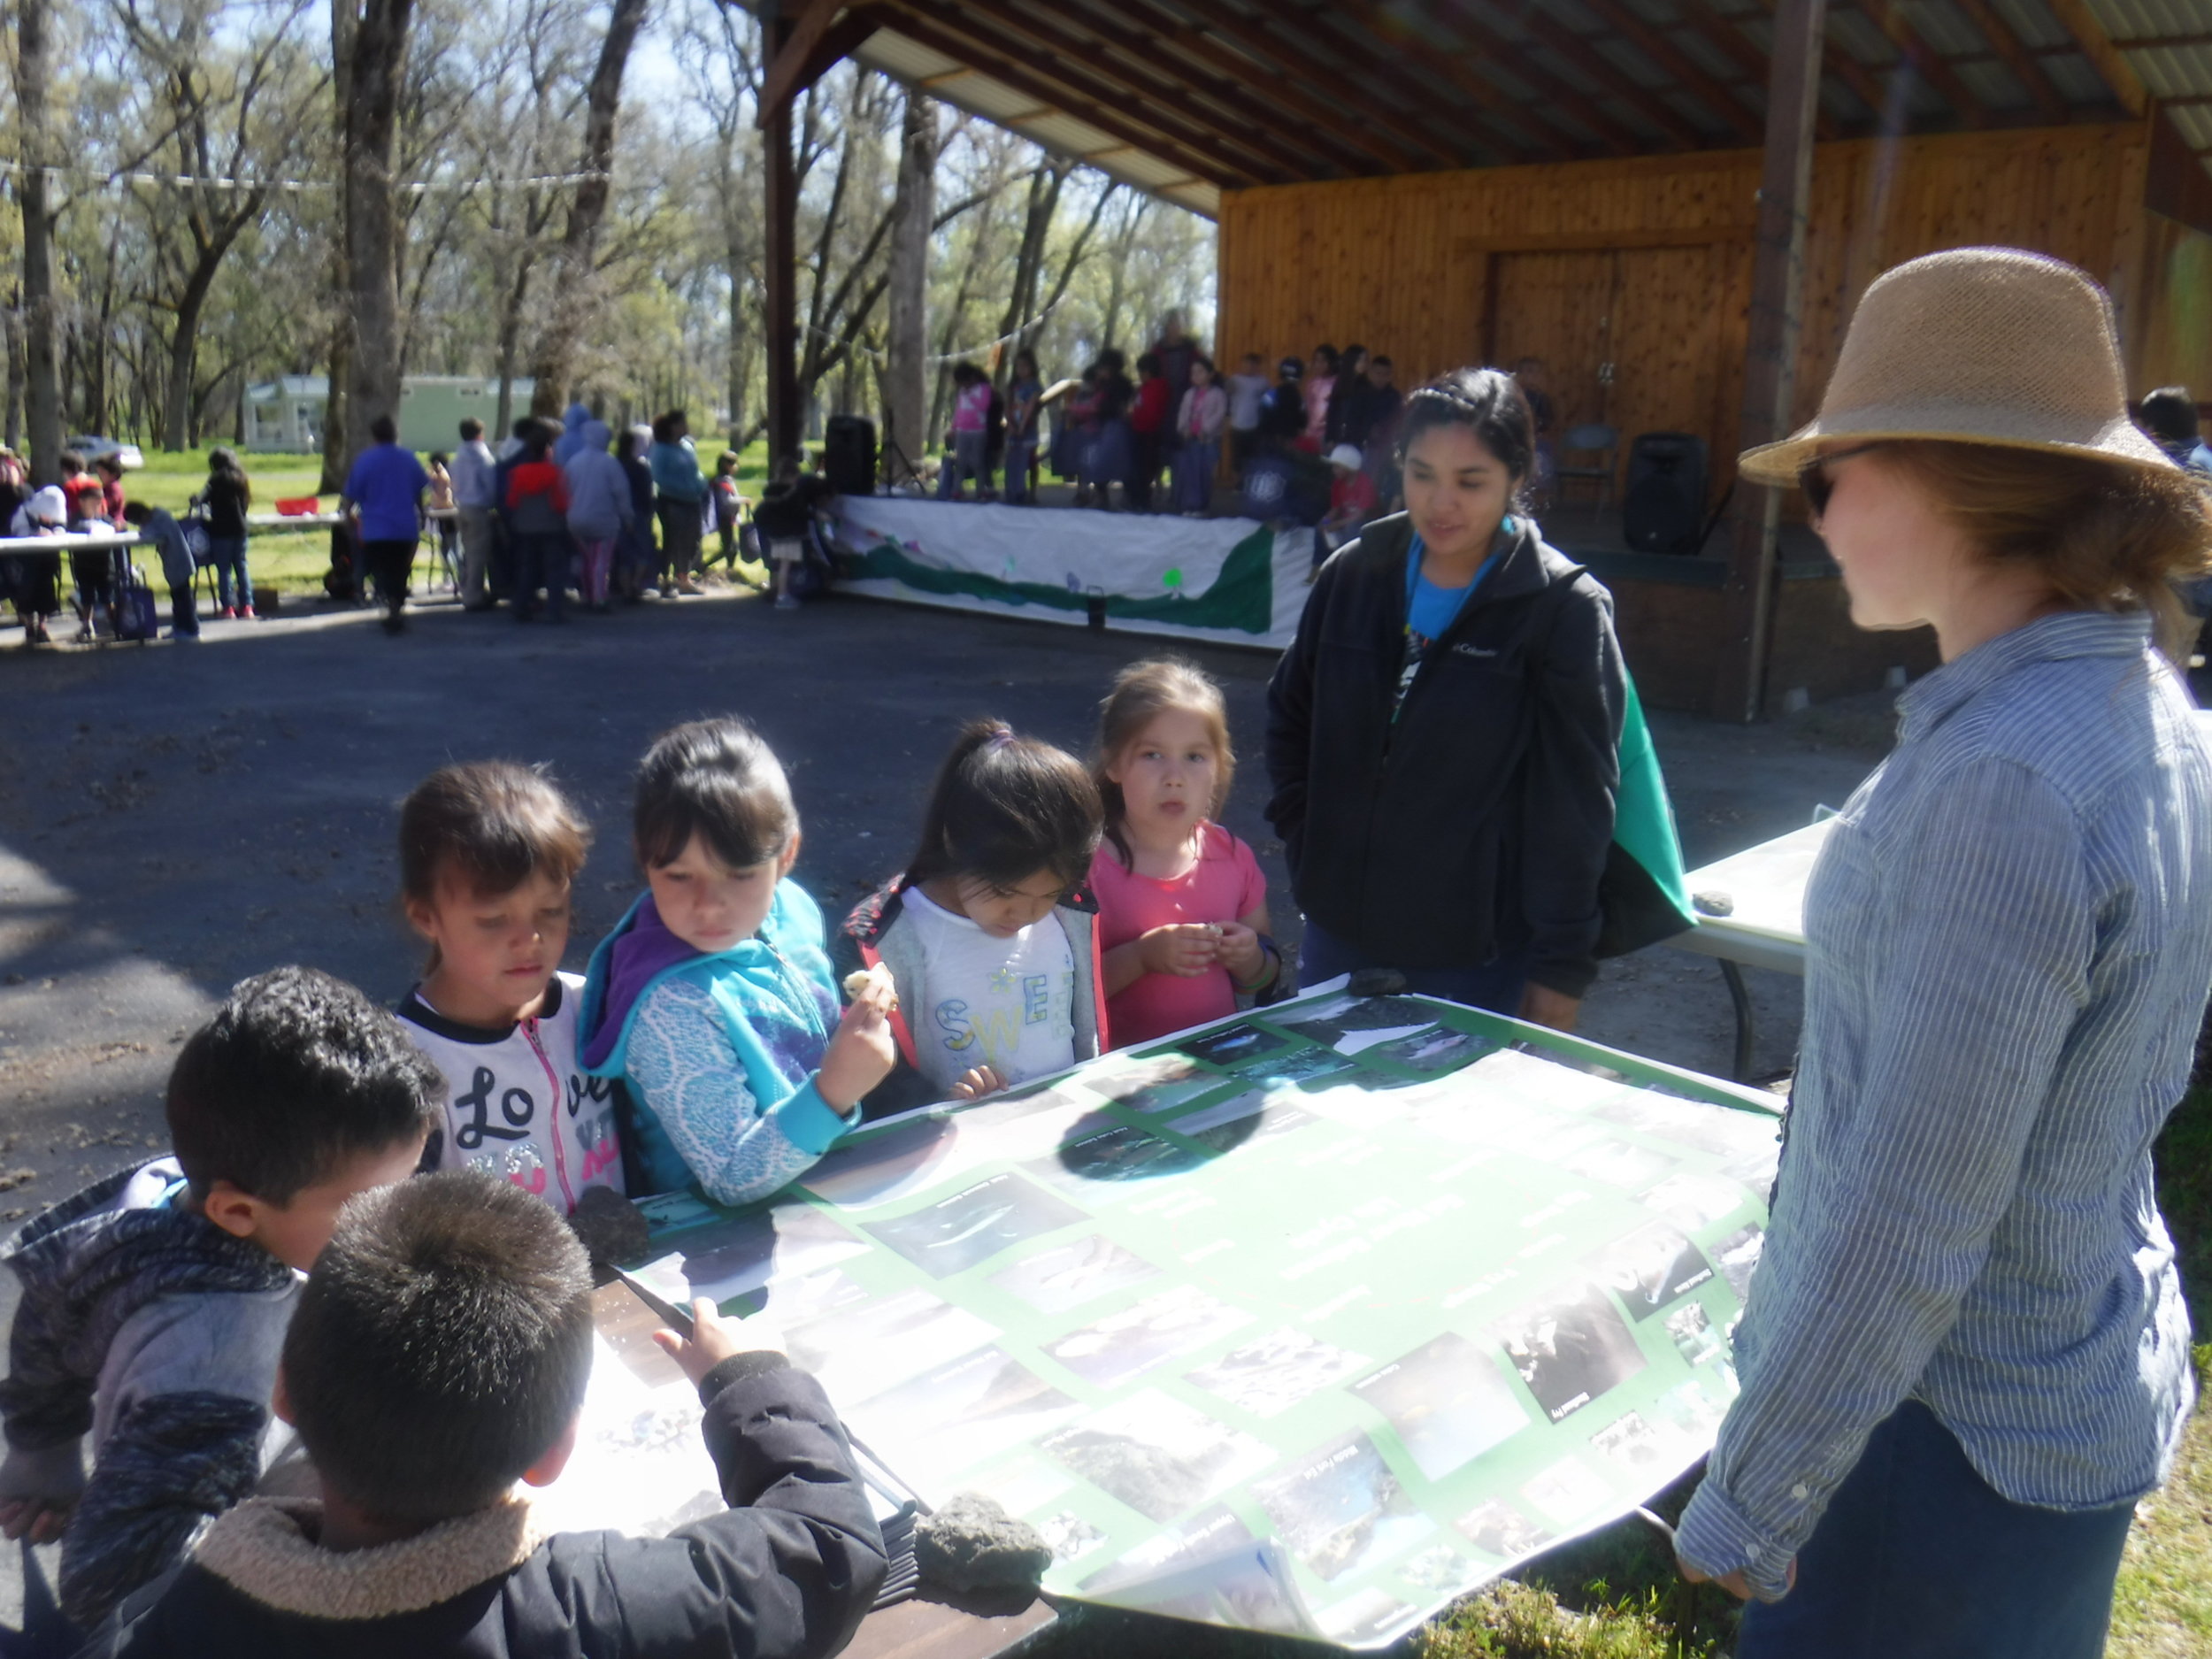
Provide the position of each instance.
(379, 61)
(42, 353)
(912, 208)
(575, 271)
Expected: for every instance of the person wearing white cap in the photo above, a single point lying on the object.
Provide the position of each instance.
(44, 512)
(1351, 502)
(1964, 1355)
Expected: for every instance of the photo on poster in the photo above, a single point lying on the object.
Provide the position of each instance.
(1157, 1455)
(1500, 1530)
(793, 1298)
(955, 1415)
(1207, 1536)
(1726, 1132)
(1296, 1067)
(1120, 1155)
(1145, 1335)
(1690, 1329)
(1636, 1446)
(1618, 1163)
(884, 1164)
(1254, 1115)
(1447, 1401)
(1651, 1269)
(1343, 1015)
(1152, 1084)
(860, 1351)
(1433, 1052)
(1570, 1492)
(975, 1223)
(1271, 1373)
(1571, 1350)
(1736, 1254)
(1442, 1570)
(1231, 1045)
(740, 1254)
(1068, 1536)
(1694, 1203)
(1068, 1275)
(1365, 1618)
(1341, 1510)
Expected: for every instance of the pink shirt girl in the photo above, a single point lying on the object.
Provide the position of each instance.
(1223, 885)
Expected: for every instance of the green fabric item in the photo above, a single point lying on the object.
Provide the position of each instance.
(1242, 597)
(1643, 820)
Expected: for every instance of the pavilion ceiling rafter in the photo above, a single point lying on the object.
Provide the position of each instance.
(1745, 121)
(1465, 22)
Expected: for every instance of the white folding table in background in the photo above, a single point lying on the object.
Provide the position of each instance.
(1763, 890)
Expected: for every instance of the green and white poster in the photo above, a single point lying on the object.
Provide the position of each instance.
(1309, 1321)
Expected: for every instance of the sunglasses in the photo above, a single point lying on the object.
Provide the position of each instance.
(1815, 481)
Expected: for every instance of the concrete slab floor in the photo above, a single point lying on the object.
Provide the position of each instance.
(176, 818)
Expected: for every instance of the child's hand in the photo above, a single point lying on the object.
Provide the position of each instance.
(1187, 948)
(713, 1339)
(39, 1519)
(1241, 952)
(978, 1082)
(862, 1050)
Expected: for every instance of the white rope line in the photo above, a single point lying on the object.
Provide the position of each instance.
(218, 182)
(961, 355)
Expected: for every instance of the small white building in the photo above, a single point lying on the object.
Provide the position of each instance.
(285, 415)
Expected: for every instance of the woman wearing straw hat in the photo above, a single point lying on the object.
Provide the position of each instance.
(1965, 1354)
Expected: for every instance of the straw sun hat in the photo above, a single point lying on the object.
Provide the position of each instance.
(1978, 345)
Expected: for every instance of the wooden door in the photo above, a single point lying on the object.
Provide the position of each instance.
(1559, 307)
(1678, 334)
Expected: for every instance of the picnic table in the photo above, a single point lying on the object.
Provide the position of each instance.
(1750, 908)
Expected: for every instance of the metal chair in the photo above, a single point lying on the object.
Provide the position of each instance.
(1593, 439)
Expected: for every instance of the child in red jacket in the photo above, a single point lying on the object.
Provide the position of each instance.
(537, 513)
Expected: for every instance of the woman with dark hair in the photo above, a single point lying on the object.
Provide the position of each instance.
(1443, 734)
(1965, 1353)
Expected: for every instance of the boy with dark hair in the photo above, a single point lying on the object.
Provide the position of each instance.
(158, 529)
(154, 1302)
(440, 1353)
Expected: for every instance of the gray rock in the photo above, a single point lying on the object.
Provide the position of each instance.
(973, 1544)
(611, 1228)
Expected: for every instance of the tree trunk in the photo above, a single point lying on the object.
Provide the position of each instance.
(34, 70)
(184, 343)
(11, 413)
(371, 229)
(575, 273)
(912, 208)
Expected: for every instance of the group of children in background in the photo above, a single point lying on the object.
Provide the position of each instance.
(359, 1232)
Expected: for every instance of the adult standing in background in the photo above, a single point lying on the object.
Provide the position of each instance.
(1349, 420)
(1177, 351)
(225, 498)
(680, 496)
(1443, 734)
(385, 492)
(573, 437)
(1384, 405)
(475, 499)
(600, 511)
(1964, 1355)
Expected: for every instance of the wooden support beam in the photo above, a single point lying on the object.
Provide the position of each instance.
(920, 20)
(1581, 51)
(1889, 17)
(780, 255)
(1777, 280)
(1187, 45)
(1725, 36)
(2002, 35)
(1289, 56)
(1733, 110)
(1865, 83)
(804, 23)
(1154, 90)
(1467, 24)
(2104, 53)
(1518, 121)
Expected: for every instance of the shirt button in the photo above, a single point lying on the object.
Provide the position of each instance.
(1800, 1491)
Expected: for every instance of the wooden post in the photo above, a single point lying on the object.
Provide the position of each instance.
(780, 254)
(1771, 360)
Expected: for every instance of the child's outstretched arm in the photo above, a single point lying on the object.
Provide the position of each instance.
(684, 1066)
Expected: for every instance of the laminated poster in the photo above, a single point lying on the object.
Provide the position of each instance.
(1310, 1322)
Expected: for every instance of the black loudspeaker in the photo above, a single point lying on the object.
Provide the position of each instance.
(849, 454)
(1664, 509)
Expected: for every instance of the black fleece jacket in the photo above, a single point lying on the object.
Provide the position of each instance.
(785, 1573)
(1479, 822)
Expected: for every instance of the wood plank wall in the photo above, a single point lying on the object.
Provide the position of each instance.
(1401, 264)
(2173, 346)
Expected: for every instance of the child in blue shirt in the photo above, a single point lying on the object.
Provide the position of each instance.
(712, 1000)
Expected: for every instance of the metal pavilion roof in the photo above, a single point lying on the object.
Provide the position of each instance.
(1184, 98)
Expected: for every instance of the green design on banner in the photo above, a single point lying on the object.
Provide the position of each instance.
(1242, 597)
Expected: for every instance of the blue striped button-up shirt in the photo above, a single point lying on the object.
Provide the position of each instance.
(2009, 942)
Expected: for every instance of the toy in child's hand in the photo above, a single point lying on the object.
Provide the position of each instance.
(858, 982)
